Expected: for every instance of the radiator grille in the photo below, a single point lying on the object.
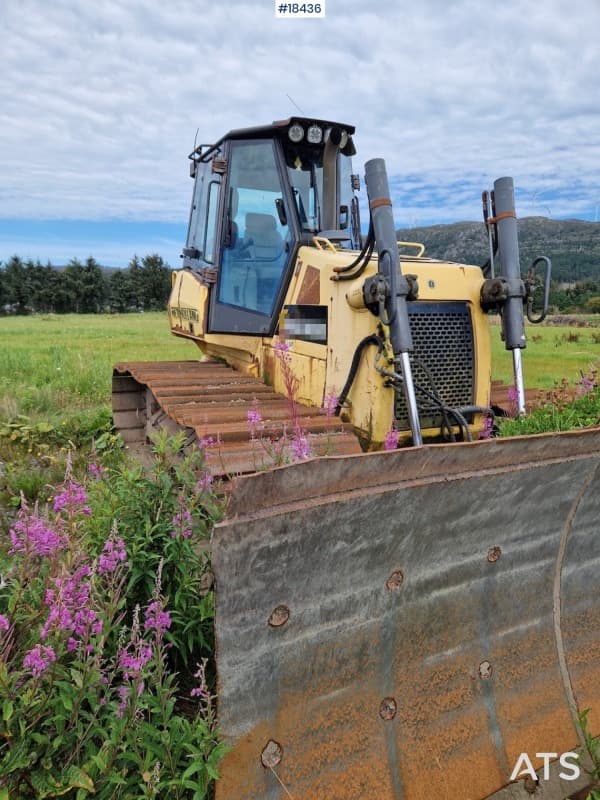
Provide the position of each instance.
(443, 341)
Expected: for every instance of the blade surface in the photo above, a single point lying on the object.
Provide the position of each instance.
(442, 614)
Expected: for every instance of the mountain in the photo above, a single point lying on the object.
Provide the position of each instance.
(572, 245)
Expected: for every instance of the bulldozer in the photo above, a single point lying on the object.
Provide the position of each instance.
(406, 607)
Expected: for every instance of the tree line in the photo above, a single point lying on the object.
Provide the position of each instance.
(84, 287)
(576, 297)
(88, 288)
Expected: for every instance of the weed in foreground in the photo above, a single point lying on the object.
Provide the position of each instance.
(560, 409)
(93, 616)
(289, 447)
(593, 748)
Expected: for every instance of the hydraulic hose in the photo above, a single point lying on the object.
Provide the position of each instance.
(361, 261)
(372, 339)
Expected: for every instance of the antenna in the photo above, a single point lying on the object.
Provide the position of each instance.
(195, 139)
(296, 104)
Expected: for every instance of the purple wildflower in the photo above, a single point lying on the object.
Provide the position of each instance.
(204, 482)
(330, 403)
(4, 623)
(32, 535)
(132, 663)
(156, 618)
(38, 659)
(391, 439)
(300, 447)
(123, 694)
(282, 349)
(68, 601)
(205, 444)
(72, 499)
(202, 691)
(182, 524)
(96, 471)
(136, 654)
(585, 385)
(113, 552)
(486, 431)
(255, 421)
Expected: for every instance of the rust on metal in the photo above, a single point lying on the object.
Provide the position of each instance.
(210, 401)
(310, 291)
(494, 554)
(395, 580)
(318, 687)
(388, 708)
(279, 616)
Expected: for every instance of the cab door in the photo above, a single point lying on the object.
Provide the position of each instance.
(256, 242)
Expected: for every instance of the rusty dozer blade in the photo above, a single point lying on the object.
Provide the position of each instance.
(404, 625)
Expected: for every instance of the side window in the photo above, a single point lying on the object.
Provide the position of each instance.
(211, 222)
(203, 216)
(257, 237)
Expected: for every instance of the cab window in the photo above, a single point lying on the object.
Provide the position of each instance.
(256, 237)
(202, 228)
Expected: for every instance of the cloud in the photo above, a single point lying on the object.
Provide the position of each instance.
(101, 101)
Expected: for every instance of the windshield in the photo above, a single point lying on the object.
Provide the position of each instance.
(306, 177)
(305, 170)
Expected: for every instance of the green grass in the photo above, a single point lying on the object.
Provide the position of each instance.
(552, 353)
(55, 390)
(52, 366)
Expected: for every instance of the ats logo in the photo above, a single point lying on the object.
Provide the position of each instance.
(568, 761)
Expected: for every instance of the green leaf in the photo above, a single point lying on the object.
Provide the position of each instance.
(198, 766)
(212, 770)
(76, 677)
(8, 708)
(78, 779)
(67, 701)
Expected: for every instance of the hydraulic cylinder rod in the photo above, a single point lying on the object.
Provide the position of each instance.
(396, 308)
(513, 321)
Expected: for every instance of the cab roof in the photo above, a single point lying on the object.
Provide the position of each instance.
(277, 127)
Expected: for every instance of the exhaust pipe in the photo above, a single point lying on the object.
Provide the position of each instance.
(396, 309)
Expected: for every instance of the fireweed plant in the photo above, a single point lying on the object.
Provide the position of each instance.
(293, 444)
(106, 636)
(559, 409)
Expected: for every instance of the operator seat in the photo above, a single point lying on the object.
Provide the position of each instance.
(267, 244)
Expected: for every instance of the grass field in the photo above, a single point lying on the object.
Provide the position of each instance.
(552, 353)
(53, 366)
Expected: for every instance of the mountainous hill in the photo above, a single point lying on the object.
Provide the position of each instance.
(572, 245)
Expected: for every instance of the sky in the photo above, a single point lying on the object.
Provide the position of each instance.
(101, 101)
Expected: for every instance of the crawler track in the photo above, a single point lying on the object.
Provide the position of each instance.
(211, 401)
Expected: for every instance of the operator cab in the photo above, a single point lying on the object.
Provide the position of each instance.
(259, 194)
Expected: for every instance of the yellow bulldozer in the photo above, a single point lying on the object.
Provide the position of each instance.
(404, 610)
